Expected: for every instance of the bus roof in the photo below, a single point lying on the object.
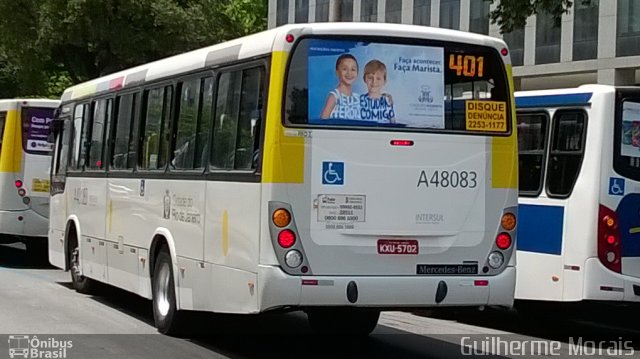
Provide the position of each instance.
(6, 104)
(578, 96)
(263, 43)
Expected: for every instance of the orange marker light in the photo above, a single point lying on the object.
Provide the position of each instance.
(609, 221)
(281, 217)
(508, 221)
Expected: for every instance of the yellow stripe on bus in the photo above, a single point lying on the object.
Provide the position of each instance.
(110, 214)
(504, 162)
(225, 233)
(283, 156)
(11, 153)
(85, 90)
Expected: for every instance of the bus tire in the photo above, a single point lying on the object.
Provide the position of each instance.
(168, 319)
(81, 283)
(347, 321)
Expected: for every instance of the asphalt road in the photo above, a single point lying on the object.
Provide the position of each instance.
(36, 300)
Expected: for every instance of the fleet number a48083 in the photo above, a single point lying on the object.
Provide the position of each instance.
(448, 179)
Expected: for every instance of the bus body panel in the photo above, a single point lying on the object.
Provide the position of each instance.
(397, 197)
(89, 201)
(218, 288)
(277, 290)
(539, 245)
(36, 181)
(232, 224)
(57, 250)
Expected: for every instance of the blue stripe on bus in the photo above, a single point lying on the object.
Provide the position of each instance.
(629, 225)
(572, 99)
(540, 228)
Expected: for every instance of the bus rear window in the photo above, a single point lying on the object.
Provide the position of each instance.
(627, 158)
(35, 130)
(406, 85)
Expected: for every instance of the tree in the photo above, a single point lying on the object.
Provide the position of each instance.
(53, 42)
(513, 14)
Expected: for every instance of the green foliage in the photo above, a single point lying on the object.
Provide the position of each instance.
(49, 44)
(513, 14)
(58, 81)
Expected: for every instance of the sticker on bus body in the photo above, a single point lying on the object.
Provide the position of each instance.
(40, 185)
(616, 186)
(345, 208)
(486, 116)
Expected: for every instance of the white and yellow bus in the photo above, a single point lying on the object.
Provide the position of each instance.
(25, 158)
(339, 169)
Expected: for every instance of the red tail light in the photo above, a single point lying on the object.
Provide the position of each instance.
(609, 251)
(401, 142)
(286, 238)
(503, 241)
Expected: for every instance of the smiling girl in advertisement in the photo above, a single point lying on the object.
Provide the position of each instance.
(342, 102)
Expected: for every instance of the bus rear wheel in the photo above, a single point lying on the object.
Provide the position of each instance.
(81, 283)
(168, 319)
(348, 321)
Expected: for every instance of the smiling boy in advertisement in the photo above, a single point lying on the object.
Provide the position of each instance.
(376, 105)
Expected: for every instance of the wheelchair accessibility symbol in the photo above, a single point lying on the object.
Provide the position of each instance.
(616, 186)
(333, 173)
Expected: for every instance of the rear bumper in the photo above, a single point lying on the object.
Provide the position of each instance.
(277, 289)
(31, 225)
(602, 284)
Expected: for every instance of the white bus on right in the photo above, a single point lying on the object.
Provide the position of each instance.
(579, 205)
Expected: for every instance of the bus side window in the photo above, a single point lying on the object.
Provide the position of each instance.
(101, 121)
(532, 140)
(204, 124)
(121, 153)
(63, 154)
(238, 119)
(183, 154)
(155, 133)
(249, 118)
(226, 120)
(567, 150)
(79, 143)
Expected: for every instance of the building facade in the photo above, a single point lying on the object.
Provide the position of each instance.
(597, 42)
